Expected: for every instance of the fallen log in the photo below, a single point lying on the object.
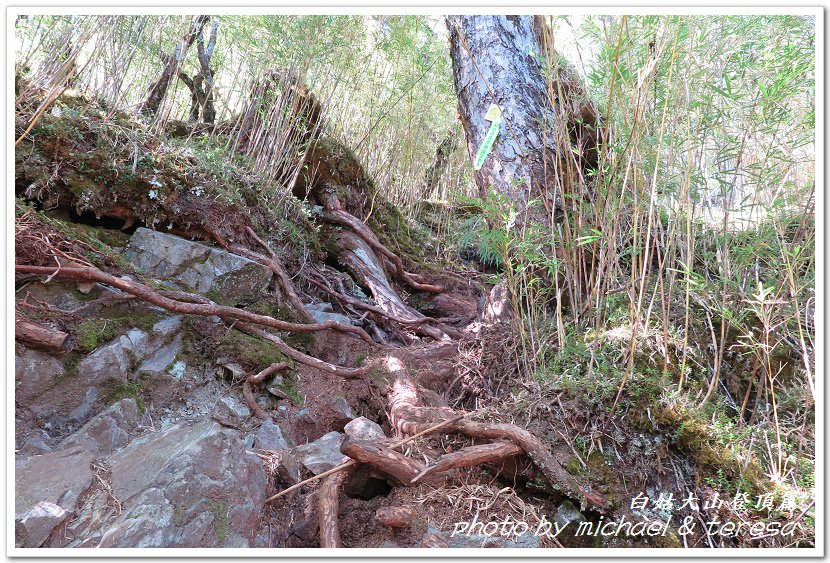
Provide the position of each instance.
(39, 336)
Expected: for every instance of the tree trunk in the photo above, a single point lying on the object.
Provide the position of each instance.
(159, 88)
(493, 63)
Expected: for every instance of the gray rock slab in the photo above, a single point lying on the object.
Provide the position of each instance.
(192, 485)
(34, 526)
(322, 454)
(168, 326)
(58, 477)
(107, 431)
(270, 436)
(197, 267)
(34, 371)
(163, 357)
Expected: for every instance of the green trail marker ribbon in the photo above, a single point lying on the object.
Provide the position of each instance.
(494, 115)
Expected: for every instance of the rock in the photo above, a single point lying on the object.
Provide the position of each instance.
(341, 410)
(303, 415)
(135, 532)
(364, 429)
(37, 443)
(84, 410)
(322, 454)
(34, 372)
(395, 516)
(229, 408)
(323, 312)
(168, 326)
(437, 538)
(163, 357)
(566, 513)
(196, 266)
(114, 361)
(34, 526)
(108, 431)
(58, 477)
(192, 485)
(270, 436)
(236, 540)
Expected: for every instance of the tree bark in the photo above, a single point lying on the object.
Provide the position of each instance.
(493, 63)
(39, 336)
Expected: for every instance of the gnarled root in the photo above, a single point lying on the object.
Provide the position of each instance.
(329, 505)
(408, 416)
(346, 219)
(248, 391)
(401, 468)
(144, 292)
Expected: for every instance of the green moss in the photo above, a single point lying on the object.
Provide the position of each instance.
(289, 387)
(117, 391)
(93, 332)
(252, 353)
(221, 520)
(573, 466)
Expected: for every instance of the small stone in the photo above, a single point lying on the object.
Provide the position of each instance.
(566, 513)
(304, 415)
(364, 429)
(322, 454)
(395, 516)
(270, 437)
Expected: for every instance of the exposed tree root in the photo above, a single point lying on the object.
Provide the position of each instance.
(311, 361)
(470, 457)
(409, 416)
(362, 261)
(273, 263)
(248, 391)
(401, 468)
(329, 505)
(340, 217)
(146, 293)
(414, 323)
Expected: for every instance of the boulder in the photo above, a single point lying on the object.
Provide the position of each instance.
(322, 454)
(192, 485)
(107, 431)
(33, 526)
(58, 477)
(196, 267)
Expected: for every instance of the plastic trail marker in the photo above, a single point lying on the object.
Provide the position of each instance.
(494, 115)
